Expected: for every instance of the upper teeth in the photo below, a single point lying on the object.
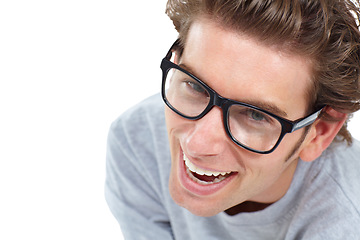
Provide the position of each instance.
(200, 171)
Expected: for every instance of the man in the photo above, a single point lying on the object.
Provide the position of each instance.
(253, 142)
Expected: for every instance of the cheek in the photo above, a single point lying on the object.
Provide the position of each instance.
(267, 168)
(263, 170)
(172, 120)
(171, 123)
(176, 125)
(291, 144)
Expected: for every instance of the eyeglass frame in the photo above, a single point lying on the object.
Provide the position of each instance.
(287, 126)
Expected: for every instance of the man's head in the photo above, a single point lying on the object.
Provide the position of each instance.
(260, 53)
(325, 31)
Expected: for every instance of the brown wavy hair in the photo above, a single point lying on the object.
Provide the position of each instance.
(325, 31)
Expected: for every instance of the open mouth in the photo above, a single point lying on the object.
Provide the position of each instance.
(202, 176)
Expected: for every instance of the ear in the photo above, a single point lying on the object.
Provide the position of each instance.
(321, 135)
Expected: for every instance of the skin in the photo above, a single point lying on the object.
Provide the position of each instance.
(240, 68)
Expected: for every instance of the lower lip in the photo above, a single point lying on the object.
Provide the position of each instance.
(196, 188)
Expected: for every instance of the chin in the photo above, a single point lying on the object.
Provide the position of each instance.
(208, 212)
(199, 208)
(194, 204)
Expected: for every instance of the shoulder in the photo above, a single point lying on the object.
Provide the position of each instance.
(341, 150)
(341, 163)
(141, 123)
(329, 203)
(149, 111)
(136, 167)
(338, 169)
(139, 136)
(137, 144)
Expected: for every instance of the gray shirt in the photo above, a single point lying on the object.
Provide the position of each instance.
(323, 201)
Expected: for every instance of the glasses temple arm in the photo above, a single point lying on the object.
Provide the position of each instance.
(307, 121)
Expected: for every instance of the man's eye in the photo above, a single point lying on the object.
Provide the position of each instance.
(257, 116)
(196, 87)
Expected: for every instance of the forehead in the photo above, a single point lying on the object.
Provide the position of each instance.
(241, 68)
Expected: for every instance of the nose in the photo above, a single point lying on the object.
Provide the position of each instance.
(207, 136)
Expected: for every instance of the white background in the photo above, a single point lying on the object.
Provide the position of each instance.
(67, 70)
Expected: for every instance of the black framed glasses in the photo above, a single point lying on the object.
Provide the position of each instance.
(250, 127)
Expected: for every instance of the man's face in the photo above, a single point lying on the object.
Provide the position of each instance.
(239, 68)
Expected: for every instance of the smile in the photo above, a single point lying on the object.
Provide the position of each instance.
(202, 176)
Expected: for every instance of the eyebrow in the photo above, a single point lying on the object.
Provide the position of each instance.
(272, 108)
(267, 106)
(187, 68)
